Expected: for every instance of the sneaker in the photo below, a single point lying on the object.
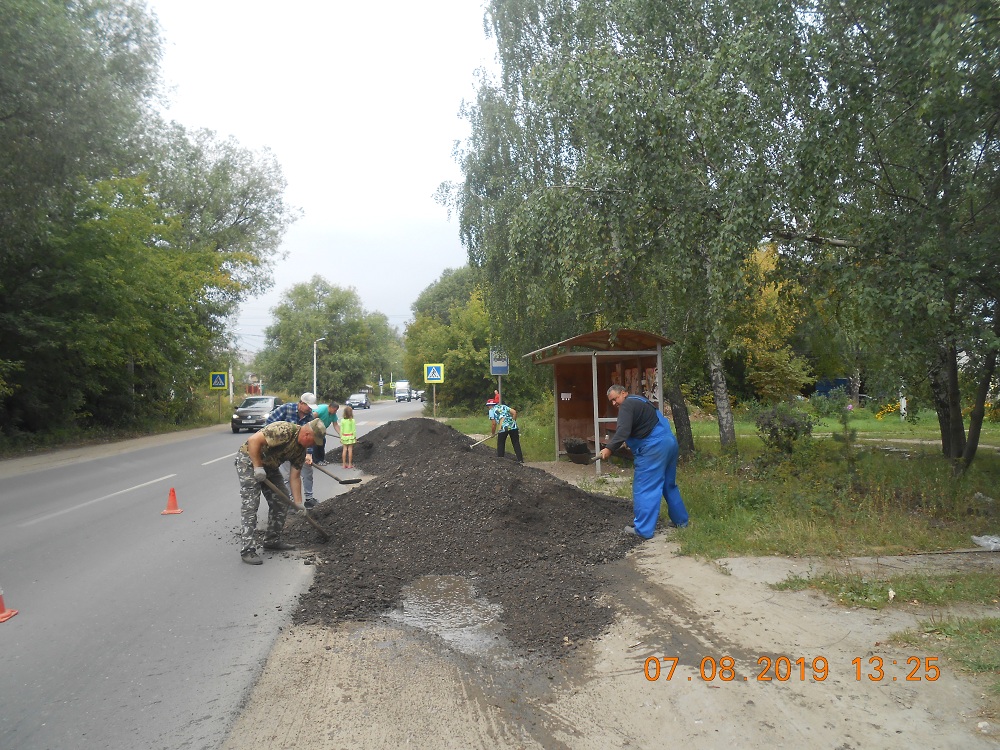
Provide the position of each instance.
(309, 504)
(279, 545)
(249, 556)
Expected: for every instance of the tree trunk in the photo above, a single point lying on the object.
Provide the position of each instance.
(854, 388)
(979, 408)
(955, 406)
(727, 425)
(939, 392)
(682, 420)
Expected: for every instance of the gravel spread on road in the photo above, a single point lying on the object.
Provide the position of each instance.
(526, 540)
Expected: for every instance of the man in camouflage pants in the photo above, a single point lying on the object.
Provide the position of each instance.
(259, 459)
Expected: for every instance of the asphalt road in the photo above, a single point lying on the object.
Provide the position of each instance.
(137, 629)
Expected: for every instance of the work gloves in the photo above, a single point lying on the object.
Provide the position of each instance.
(259, 473)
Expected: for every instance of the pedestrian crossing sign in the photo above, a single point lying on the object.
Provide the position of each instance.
(434, 373)
(220, 381)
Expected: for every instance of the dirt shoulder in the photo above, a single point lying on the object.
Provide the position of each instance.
(381, 682)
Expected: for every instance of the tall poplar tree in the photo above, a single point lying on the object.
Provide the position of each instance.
(622, 164)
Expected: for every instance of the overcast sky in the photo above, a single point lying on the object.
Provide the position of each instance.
(359, 102)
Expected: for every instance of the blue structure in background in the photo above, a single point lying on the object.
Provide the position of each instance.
(826, 385)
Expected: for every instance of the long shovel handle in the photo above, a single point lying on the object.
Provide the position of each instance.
(352, 480)
(285, 499)
(470, 447)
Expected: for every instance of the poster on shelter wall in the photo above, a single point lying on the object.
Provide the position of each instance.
(632, 380)
(649, 383)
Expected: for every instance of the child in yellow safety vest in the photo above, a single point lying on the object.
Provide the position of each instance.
(348, 438)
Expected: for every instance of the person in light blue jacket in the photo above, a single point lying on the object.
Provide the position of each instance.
(644, 429)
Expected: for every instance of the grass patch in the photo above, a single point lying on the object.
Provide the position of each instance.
(873, 591)
(971, 643)
(534, 426)
(811, 502)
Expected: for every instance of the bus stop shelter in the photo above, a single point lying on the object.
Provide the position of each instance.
(585, 366)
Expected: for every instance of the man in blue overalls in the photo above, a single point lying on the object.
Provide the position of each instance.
(647, 433)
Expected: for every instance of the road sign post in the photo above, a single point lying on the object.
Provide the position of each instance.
(218, 381)
(499, 366)
(433, 374)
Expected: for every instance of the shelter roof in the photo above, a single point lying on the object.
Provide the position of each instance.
(625, 340)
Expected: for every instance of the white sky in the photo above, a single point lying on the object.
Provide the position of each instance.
(359, 102)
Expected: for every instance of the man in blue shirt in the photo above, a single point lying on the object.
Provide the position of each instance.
(327, 413)
(299, 413)
(647, 433)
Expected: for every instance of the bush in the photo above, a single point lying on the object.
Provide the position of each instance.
(830, 404)
(992, 412)
(782, 426)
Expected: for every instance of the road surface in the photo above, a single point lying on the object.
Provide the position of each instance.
(137, 629)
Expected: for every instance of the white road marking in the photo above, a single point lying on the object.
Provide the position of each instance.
(91, 502)
(220, 458)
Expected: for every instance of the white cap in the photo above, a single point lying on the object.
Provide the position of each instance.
(308, 398)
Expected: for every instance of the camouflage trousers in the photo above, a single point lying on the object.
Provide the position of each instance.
(250, 491)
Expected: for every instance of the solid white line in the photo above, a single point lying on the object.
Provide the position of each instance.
(221, 458)
(91, 502)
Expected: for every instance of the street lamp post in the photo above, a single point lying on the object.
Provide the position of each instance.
(314, 362)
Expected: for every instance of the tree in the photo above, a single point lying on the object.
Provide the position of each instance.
(461, 345)
(455, 286)
(357, 344)
(115, 325)
(125, 243)
(622, 162)
(904, 134)
(451, 326)
(75, 79)
(227, 199)
(775, 370)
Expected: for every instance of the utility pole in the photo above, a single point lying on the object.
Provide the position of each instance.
(314, 362)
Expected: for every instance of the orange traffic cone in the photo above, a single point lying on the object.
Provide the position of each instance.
(5, 614)
(171, 504)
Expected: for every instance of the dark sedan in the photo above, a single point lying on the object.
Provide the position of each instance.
(250, 415)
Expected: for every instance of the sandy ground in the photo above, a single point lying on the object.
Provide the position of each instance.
(386, 684)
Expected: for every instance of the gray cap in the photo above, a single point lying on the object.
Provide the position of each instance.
(319, 431)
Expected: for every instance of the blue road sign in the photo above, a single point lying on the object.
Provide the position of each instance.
(499, 364)
(220, 381)
(434, 373)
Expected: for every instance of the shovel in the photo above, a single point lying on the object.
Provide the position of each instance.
(352, 480)
(470, 447)
(284, 498)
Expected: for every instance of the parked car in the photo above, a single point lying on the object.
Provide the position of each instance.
(359, 401)
(250, 415)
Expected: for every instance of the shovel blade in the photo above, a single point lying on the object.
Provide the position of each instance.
(352, 480)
